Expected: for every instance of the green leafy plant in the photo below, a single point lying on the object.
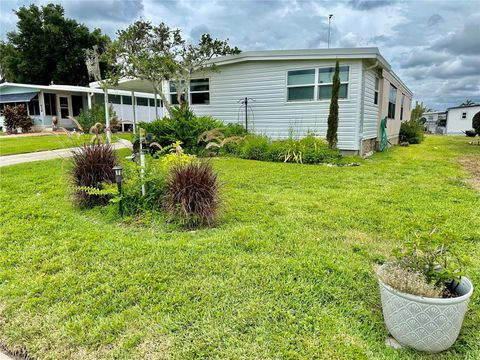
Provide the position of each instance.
(192, 194)
(16, 117)
(432, 255)
(175, 156)
(182, 125)
(92, 168)
(96, 115)
(411, 131)
(471, 133)
(476, 123)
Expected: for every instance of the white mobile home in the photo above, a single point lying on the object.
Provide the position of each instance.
(44, 102)
(460, 119)
(435, 121)
(289, 91)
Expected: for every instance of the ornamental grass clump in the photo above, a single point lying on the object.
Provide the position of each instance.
(92, 169)
(192, 194)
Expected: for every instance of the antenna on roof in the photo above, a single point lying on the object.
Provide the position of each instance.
(329, 19)
(92, 60)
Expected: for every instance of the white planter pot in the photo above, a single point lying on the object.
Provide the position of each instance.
(425, 324)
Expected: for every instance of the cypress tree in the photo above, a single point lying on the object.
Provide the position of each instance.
(333, 114)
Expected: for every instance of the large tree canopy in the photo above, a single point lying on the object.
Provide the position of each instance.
(47, 47)
(157, 52)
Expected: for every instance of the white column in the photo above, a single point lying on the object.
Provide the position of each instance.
(134, 114)
(89, 101)
(107, 116)
(156, 107)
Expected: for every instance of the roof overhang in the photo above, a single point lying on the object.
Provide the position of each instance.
(17, 98)
(129, 84)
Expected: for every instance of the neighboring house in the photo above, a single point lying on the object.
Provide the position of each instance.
(435, 121)
(460, 118)
(289, 92)
(63, 101)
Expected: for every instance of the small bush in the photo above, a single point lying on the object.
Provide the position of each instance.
(92, 167)
(16, 117)
(411, 131)
(182, 125)
(471, 133)
(192, 194)
(309, 150)
(90, 117)
(476, 123)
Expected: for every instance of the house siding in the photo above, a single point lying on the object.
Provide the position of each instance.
(265, 83)
(370, 109)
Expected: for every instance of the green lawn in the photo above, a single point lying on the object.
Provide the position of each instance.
(19, 145)
(286, 274)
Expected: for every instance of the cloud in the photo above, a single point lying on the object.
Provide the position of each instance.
(464, 41)
(369, 4)
(434, 20)
(434, 49)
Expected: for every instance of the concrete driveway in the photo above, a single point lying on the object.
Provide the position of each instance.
(8, 160)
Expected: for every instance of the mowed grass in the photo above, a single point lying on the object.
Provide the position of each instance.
(26, 144)
(287, 273)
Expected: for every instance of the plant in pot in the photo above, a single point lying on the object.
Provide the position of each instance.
(424, 293)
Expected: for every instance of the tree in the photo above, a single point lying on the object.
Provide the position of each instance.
(418, 111)
(333, 113)
(159, 53)
(47, 47)
(476, 123)
(467, 102)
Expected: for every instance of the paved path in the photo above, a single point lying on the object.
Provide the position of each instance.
(7, 160)
(4, 357)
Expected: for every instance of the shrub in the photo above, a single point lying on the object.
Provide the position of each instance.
(428, 258)
(192, 194)
(471, 133)
(175, 157)
(476, 123)
(411, 131)
(182, 125)
(309, 150)
(16, 117)
(89, 117)
(93, 168)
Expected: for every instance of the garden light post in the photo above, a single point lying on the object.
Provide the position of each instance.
(118, 179)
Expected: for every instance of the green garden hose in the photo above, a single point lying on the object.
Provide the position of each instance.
(383, 134)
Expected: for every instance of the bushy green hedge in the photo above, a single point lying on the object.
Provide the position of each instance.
(309, 150)
(411, 131)
(182, 125)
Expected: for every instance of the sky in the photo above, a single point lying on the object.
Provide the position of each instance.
(433, 46)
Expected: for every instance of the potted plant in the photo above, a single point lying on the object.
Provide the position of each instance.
(424, 293)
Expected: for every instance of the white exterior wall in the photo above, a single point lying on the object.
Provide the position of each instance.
(370, 109)
(455, 124)
(265, 83)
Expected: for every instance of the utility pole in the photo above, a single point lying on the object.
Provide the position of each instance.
(329, 19)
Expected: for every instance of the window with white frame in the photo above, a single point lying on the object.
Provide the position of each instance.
(325, 80)
(377, 86)
(199, 91)
(392, 100)
(315, 84)
(301, 85)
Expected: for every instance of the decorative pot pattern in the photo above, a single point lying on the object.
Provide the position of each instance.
(425, 324)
